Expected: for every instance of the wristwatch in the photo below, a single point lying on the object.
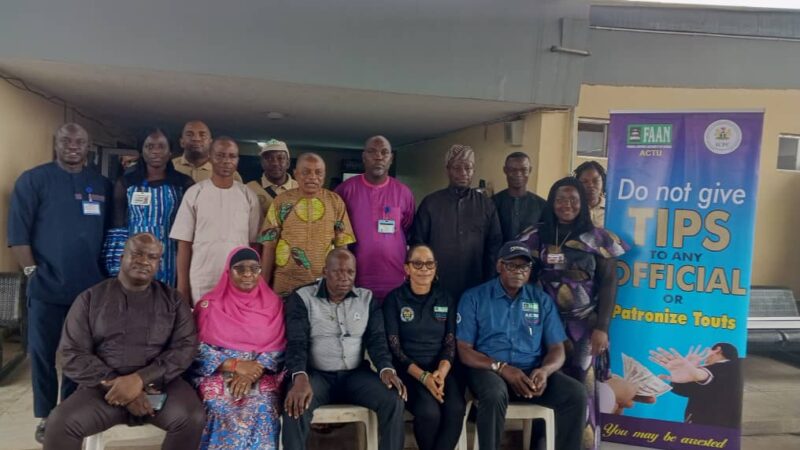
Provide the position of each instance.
(496, 366)
(28, 270)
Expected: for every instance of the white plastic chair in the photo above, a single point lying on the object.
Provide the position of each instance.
(527, 412)
(98, 441)
(349, 414)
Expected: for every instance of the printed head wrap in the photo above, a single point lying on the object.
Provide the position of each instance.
(459, 152)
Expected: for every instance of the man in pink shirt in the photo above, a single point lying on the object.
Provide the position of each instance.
(381, 210)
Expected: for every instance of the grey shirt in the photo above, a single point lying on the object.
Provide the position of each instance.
(332, 337)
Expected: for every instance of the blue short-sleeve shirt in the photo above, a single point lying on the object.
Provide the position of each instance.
(47, 212)
(516, 331)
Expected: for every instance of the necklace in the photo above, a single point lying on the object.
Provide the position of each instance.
(562, 242)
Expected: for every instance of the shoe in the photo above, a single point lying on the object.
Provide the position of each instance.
(39, 435)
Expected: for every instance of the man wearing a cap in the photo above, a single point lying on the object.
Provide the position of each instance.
(195, 160)
(460, 225)
(511, 339)
(275, 162)
(381, 210)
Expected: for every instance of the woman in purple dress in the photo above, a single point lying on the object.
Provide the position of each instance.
(239, 368)
(579, 271)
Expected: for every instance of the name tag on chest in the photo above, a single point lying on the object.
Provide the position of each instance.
(556, 258)
(91, 208)
(530, 312)
(141, 198)
(386, 226)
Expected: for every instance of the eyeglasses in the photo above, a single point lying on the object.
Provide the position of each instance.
(430, 265)
(244, 270)
(568, 201)
(512, 267)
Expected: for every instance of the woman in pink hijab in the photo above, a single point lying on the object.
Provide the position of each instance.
(239, 368)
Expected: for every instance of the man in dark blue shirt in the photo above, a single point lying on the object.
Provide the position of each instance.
(58, 215)
(510, 337)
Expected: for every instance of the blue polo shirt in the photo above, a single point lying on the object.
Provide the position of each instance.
(516, 331)
(47, 212)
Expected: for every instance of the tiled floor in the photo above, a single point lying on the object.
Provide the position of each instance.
(771, 415)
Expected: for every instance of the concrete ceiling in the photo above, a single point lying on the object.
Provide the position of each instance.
(322, 117)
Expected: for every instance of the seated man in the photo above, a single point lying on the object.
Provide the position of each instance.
(124, 338)
(328, 325)
(510, 338)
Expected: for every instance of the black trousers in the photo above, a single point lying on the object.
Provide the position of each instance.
(86, 413)
(437, 426)
(45, 321)
(563, 394)
(358, 387)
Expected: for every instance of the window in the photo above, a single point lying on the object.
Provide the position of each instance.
(788, 149)
(592, 138)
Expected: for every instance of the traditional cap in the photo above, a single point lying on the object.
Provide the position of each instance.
(274, 145)
(514, 249)
(459, 152)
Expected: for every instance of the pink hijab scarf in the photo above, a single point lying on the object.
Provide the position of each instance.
(244, 321)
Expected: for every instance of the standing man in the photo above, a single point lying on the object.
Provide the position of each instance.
(511, 339)
(196, 143)
(59, 212)
(517, 208)
(215, 216)
(460, 225)
(123, 339)
(382, 211)
(275, 162)
(329, 324)
(301, 227)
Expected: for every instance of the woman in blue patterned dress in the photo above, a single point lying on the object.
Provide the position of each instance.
(146, 200)
(239, 368)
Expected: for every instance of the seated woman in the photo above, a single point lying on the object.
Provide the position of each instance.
(579, 272)
(239, 368)
(420, 320)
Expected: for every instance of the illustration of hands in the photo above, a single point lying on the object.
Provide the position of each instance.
(682, 369)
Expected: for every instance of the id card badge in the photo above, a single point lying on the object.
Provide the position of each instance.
(91, 208)
(556, 258)
(386, 226)
(141, 198)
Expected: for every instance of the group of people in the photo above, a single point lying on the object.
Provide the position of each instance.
(226, 313)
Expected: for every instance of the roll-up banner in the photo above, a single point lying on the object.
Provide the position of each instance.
(681, 191)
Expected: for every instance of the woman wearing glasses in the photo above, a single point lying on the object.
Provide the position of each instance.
(579, 272)
(420, 319)
(239, 367)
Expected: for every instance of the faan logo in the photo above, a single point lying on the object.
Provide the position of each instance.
(723, 137)
(649, 139)
(656, 134)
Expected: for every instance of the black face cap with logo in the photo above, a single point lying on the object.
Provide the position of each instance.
(514, 249)
(518, 249)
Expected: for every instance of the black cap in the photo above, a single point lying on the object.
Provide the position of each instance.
(514, 249)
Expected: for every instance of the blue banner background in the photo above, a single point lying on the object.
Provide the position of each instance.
(686, 158)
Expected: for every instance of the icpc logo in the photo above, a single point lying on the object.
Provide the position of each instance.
(723, 137)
